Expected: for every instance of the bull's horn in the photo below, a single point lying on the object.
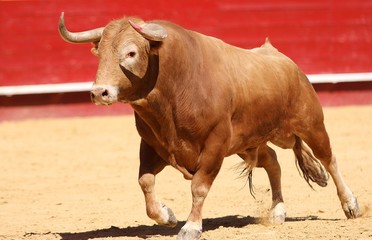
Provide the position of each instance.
(150, 31)
(93, 35)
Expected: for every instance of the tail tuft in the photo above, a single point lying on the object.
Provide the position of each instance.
(311, 168)
(246, 171)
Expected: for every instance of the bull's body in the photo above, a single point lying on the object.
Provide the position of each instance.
(245, 97)
(197, 100)
(248, 96)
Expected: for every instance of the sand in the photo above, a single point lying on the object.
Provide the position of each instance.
(76, 178)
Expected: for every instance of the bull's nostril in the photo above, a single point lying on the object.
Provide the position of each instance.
(105, 93)
(92, 95)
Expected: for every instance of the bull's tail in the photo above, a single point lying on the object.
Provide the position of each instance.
(311, 168)
(246, 171)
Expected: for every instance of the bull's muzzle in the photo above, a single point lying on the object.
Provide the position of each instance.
(103, 95)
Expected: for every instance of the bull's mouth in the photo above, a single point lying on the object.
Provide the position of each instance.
(103, 103)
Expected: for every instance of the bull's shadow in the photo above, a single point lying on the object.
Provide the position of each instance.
(145, 232)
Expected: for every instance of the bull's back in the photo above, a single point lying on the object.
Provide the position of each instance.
(271, 93)
(302, 98)
(267, 80)
(274, 78)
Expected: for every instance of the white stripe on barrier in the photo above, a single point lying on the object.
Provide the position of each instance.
(46, 88)
(86, 86)
(340, 77)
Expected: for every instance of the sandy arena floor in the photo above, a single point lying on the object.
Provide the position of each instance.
(76, 178)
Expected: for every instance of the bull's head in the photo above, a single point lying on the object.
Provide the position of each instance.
(128, 58)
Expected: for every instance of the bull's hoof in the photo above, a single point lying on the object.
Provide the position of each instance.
(277, 214)
(167, 217)
(191, 231)
(172, 220)
(351, 208)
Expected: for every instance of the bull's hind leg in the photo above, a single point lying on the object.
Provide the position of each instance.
(150, 165)
(266, 157)
(268, 160)
(319, 143)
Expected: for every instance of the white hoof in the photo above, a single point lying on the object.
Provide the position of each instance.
(351, 208)
(166, 217)
(190, 231)
(277, 214)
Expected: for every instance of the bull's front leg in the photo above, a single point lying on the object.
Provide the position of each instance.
(210, 162)
(200, 185)
(150, 165)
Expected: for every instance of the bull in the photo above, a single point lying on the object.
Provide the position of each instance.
(197, 100)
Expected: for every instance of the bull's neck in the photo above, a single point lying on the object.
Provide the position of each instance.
(155, 108)
(181, 76)
(178, 63)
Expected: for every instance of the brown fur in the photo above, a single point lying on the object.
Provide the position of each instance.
(197, 100)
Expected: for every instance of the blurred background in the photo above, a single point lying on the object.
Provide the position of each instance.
(43, 76)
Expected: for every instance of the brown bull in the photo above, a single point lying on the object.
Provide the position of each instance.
(198, 100)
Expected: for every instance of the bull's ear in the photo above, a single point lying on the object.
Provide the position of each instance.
(94, 49)
(150, 31)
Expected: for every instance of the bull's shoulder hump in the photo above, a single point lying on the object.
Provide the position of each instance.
(267, 49)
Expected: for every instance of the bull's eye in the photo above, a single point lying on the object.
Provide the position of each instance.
(131, 54)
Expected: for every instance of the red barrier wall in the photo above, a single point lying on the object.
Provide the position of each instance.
(320, 35)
